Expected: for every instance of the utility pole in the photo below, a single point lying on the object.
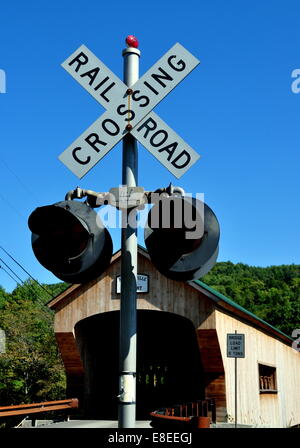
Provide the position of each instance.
(128, 315)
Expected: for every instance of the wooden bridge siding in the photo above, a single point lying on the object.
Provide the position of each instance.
(69, 352)
(274, 410)
(278, 410)
(100, 296)
(165, 295)
(72, 363)
(213, 370)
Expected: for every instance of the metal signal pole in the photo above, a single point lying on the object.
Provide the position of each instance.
(128, 326)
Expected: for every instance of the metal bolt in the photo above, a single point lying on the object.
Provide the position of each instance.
(129, 127)
(129, 91)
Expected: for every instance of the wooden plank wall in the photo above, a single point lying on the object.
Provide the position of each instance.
(280, 410)
(267, 410)
(213, 367)
(100, 296)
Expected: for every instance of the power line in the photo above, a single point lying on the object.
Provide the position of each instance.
(26, 271)
(43, 310)
(11, 270)
(5, 164)
(1, 267)
(23, 283)
(12, 207)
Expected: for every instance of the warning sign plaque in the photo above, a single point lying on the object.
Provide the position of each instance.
(235, 345)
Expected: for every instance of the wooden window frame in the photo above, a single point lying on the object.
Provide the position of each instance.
(267, 376)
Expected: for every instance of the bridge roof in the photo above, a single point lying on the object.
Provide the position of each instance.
(227, 303)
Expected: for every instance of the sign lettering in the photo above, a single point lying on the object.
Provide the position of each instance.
(93, 144)
(94, 76)
(165, 145)
(235, 345)
(142, 284)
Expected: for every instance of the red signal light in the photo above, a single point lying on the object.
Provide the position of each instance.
(132, 41)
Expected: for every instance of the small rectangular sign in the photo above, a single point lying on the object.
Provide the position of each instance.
(142, 283)
(235, 345)
(170, 149)
(125, 197)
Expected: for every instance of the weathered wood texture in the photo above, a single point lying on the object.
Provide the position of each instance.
(213, 319)
(69, 352)
(269, 410)
(100, 296)
(33, 408)
(213, 370)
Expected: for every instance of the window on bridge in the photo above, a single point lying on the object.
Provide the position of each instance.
(267, 379)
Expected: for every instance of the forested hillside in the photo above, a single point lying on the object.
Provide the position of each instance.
(272, 293)
(30, 366)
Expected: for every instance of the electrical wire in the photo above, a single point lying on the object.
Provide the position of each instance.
(12, 207)
(32, 278)
(23, 283)
(1, 267)
(24, 186)
(11, 270)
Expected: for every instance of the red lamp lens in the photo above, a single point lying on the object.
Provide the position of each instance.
(132, 41)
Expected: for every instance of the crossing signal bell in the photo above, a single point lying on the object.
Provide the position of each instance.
(182, 237)
(69, 239)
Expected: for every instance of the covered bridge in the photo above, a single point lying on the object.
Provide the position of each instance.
(182, 353)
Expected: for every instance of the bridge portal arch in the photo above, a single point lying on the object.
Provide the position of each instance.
(169, 367)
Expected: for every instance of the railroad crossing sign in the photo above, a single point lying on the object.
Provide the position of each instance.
(129, 110)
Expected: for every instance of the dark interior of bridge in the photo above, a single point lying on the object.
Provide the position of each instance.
(169, 367)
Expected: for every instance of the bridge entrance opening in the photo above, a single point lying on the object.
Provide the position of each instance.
(169, 369)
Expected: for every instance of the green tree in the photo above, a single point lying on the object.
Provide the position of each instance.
(31, 368)
(272, 293)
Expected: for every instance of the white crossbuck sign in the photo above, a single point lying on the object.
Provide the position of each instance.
(135, 108)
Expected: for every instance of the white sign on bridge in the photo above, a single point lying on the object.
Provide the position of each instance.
(142, 283)
(134, 108)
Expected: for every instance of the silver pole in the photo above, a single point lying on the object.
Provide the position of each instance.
(127, 353)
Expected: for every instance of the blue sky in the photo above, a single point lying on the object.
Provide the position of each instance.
(236, 109)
